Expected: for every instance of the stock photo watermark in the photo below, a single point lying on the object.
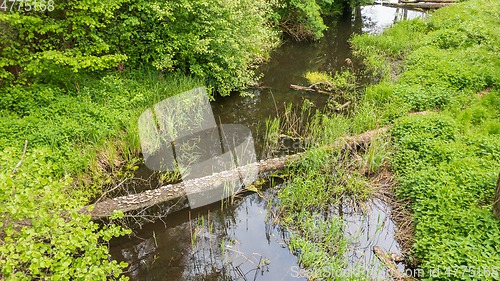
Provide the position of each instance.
(331, 272)
(374, 272)
(27, 5)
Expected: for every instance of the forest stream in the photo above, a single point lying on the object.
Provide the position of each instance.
(237, 241)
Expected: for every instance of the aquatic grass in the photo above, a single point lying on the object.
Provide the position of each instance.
(379, 94)
(377, 154)
(324, 178)
(343, 81)
(365, 118)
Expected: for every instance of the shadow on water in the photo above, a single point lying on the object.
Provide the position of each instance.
(233, 241)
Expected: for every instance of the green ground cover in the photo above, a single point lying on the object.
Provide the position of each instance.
(447, 162)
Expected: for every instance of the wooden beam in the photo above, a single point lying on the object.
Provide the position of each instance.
(417, 5)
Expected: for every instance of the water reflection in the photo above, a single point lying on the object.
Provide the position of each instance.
(293, 60)
(188, 245)
(379, 17)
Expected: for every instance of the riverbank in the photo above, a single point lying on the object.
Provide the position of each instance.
(90, 133)
(469, 112)
(446, 162)
(77, 144)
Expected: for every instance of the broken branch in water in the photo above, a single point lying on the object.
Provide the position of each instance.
(309, 89)
(343, 106)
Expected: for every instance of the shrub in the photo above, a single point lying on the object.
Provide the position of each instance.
(43, 236)
(218, 41)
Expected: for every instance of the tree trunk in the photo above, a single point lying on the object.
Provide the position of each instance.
(496, 205)
(172, 192)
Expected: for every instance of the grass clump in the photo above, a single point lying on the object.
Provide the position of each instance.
(342, 81)
(316, 186)
(319, 186)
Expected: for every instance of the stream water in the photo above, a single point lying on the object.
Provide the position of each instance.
(233, 241)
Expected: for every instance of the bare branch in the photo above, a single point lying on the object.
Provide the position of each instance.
(22, 158)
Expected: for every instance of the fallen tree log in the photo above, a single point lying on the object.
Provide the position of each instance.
(176, 191)
(417, 5)
(310, 89)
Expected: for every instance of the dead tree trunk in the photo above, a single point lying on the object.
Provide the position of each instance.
(496, 205)
(176, 191)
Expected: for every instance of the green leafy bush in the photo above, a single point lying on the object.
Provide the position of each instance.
(302, 19)
(218, 41)
(66, 37)
(42, 234)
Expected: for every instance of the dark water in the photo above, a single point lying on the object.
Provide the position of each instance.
(232, 241)
(293, 60)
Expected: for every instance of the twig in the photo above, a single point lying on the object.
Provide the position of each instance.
(329, 84)
(22, 158)
(343, 106)
(111, 189)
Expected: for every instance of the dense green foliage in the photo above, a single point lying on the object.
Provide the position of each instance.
(64, 41)
(302, 19)
(99, 121)
(43, 236)
(450, 178)
(447, 162)
(218, 41)
(76, 144)
(73, 81)
(214, 40)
